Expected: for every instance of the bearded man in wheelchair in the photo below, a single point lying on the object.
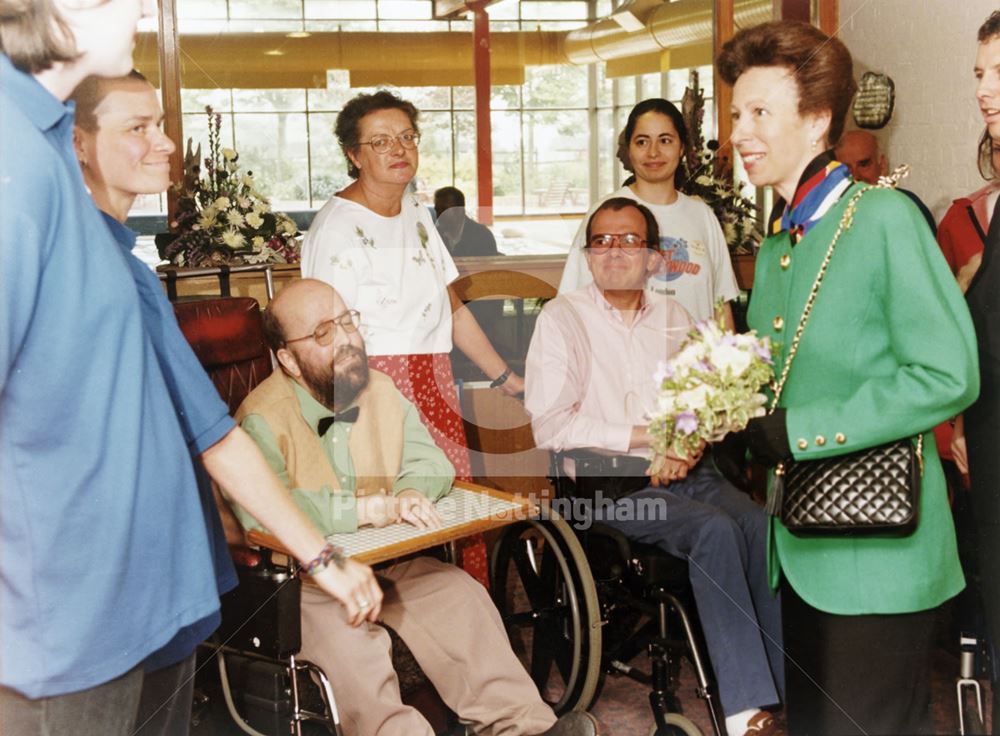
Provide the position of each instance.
(589, 387)
(353, 452)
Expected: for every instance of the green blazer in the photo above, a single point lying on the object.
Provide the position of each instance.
(889, 351)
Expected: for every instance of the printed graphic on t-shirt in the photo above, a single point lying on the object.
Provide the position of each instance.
(677, 260)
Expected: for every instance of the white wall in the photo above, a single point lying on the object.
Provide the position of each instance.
(928, 48)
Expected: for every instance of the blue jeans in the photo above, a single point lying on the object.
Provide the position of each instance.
(722, 533)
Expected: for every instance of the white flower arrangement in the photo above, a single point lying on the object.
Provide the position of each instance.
(221, 217)
(711, 387)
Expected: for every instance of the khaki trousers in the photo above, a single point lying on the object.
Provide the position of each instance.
(454, 632)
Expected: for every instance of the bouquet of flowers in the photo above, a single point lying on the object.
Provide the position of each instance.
(711, 387)
(221, 216)
(711, 178)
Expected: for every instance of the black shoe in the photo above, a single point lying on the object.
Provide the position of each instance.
(574, 723)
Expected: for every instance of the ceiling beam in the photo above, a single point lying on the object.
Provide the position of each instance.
(454, 9)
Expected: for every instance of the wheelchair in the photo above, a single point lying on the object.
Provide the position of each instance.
(265, 686)
(580, 604)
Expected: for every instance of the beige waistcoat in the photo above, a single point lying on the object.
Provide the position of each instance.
(376, 442)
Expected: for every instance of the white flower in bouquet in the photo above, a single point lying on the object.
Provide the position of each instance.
(233, 238)
(711, 387)
(207, 217)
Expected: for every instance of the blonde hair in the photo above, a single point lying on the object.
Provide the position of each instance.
(34, 35)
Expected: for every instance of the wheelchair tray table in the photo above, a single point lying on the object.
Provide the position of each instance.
(469, 509)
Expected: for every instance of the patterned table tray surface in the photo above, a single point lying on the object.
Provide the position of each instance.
(459, 507)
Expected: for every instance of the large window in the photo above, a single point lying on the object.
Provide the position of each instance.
(547, 159)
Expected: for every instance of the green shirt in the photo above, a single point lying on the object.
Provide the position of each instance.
(424, 467)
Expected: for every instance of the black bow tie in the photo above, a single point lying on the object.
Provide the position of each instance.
(351, 415)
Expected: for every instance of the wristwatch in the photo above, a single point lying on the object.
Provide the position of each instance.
(501, 379)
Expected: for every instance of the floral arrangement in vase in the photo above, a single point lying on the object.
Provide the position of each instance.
(712, 386)
(221, 216)
(710, 177)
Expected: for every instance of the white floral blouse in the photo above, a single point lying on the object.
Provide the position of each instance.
(393, 270)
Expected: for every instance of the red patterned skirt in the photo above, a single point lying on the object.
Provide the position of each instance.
(428, 382)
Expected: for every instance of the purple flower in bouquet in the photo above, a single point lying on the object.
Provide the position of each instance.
(687, 422)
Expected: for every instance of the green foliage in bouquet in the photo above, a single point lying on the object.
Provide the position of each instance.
(221, 216)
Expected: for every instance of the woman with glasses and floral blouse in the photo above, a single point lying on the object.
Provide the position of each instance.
(377, 245)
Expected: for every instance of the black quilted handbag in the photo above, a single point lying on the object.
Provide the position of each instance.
(873, 491)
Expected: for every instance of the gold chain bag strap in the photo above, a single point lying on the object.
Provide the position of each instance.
(871, 491)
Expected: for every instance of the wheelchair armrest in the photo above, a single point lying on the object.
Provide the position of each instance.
(267, 541)
(616, 537)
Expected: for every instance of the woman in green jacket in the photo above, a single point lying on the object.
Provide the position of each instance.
(888, 352)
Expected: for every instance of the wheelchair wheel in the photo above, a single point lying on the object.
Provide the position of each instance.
(543, 588)
(677, 725)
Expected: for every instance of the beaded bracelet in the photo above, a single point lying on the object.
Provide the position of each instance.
(329, 553)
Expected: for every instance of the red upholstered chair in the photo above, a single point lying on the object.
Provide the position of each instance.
(260, 618)
(228, 339)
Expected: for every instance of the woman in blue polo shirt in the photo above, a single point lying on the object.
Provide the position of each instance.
(96, 481)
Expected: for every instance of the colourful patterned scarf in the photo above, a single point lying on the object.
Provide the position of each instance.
(822, 184)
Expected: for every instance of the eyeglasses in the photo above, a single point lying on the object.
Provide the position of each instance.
(385, 143)
(628, 242)
(324, 333)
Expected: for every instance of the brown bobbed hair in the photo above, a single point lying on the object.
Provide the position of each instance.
(34, 36)
(616, 204)
(989, 29)
(820, 65)
(348, 127)
(91, 91)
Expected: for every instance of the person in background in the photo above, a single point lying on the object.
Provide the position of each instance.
(105, 558)
(353, 452)
(962, 234)
(463, 236)
(858, 612)
(697, 270)
(859, 149)
(981, 421)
